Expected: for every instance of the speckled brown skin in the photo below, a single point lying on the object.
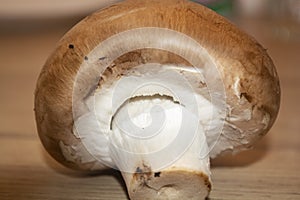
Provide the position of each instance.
(236, 54)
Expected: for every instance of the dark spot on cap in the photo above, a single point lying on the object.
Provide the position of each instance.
(157, 174)
(102, 58)
(86, 58)
(71, 46)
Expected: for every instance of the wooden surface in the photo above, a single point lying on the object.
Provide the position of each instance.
(270, 171)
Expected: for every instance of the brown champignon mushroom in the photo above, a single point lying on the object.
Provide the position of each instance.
(141, 65)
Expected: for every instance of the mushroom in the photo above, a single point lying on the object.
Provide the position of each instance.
(155, 89)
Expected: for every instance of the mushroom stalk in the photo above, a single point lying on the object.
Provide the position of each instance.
(151, 167)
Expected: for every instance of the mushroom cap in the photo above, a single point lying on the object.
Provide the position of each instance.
(250, 80)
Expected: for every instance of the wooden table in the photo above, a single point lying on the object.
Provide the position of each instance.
(270, 171)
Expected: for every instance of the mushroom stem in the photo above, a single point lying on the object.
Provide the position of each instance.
(151, 168)
(173, 182)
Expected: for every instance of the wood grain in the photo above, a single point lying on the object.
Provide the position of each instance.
(270, 171)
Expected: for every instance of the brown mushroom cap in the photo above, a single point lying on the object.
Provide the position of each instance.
(249, 76)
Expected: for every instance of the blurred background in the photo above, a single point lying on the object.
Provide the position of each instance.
(29, 30)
